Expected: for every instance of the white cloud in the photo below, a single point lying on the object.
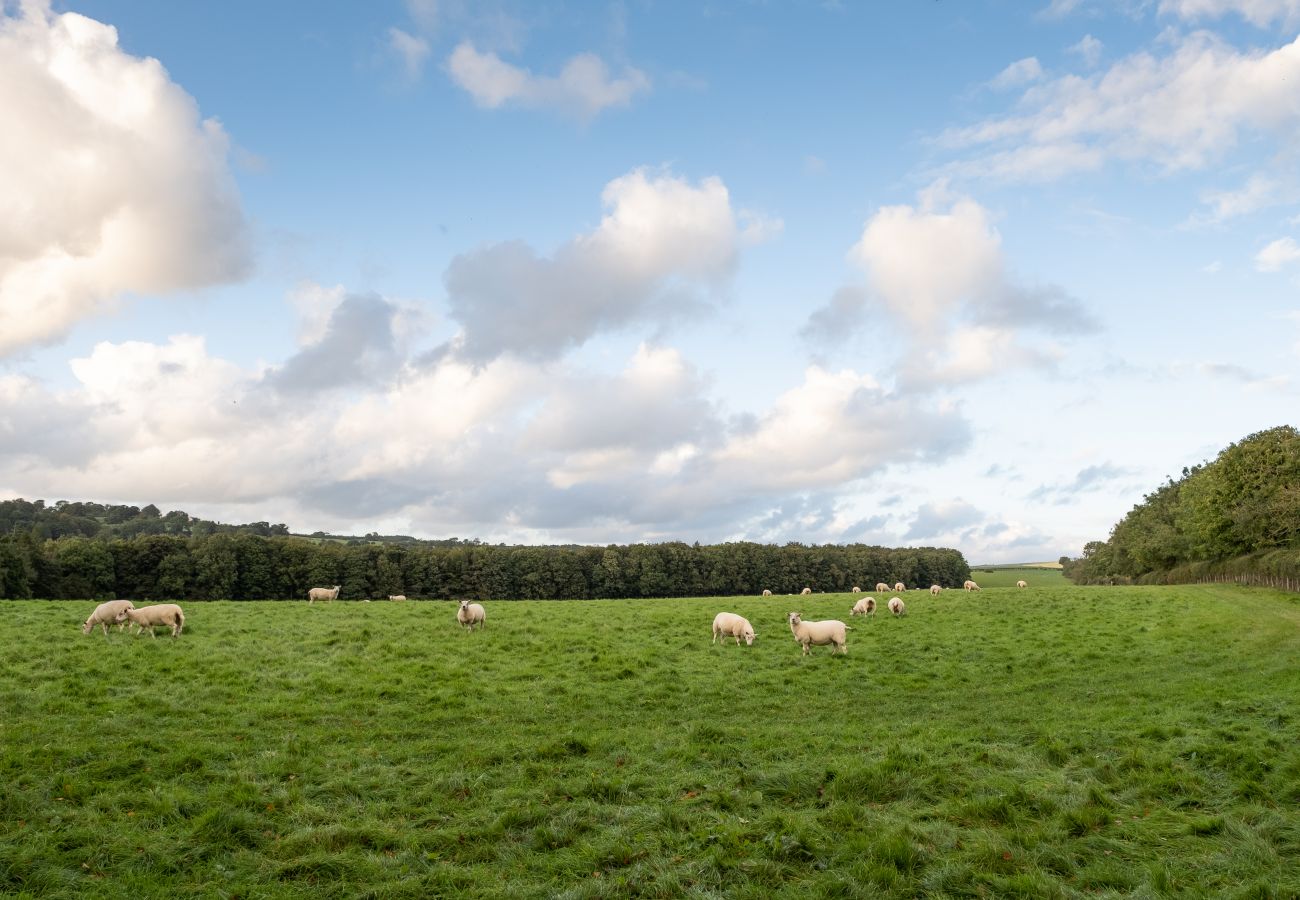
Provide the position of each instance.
(116, 186)
(1088, 49)
(424, 13)
(411, 51)
(1059, 9)
(1257, 12)
(660, 237)
(1277, 254)
(1181, 111)
(1259, 192)
(1019, 73)
(583, 88)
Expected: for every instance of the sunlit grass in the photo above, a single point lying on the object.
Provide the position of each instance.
(1055, 742)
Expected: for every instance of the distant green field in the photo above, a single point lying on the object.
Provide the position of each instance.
(1007, 576)
(1054, 742)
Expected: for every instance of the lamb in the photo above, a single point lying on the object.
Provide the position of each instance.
(806, 591)
(766, 592)
(881, 587)
(971, 586)
(163, 614)
(896, 606)
(856, 589)
(898, 586)
(1021, 584)
(934, 590)
(106, 613)
(396, 596)
(725, 623)
(830, 631)
(864, 607)
(323, 594)
(471, 614)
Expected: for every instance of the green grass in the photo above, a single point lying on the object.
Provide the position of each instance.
(1007, 576)
(1056, 742)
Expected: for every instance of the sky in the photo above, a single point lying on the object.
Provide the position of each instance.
(972, 274)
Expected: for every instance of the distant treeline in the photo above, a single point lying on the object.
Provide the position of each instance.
(246, 566)
(1238, 516)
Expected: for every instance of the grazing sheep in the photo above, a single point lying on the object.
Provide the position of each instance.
(971, 586)
(881, 587)
(107, 613)
(934, 590)
(806, 591)
(864, 607)
(396, 596)
(896, 606)
(829, 631)
(168, 614)
(1021, 584)
(471, 614)
(729, 624)
(323, 594)
(898, 586)
(766, 592)
(856, 589)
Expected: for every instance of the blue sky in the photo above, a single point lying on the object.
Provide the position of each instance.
(971, 274)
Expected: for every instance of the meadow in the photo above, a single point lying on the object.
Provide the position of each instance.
(1055, 742)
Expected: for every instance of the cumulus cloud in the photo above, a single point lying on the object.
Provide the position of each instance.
(116, 185)
(1181, 111)
(357, 346)
(661, 237)
(1278, 253)
(1257, 12)
(583, 88)
(935, 519)
(1088, 49)
(1018, 74)
(839, 320)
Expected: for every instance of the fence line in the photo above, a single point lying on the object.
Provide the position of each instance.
(1254, 579)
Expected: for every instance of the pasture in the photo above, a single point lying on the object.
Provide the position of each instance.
(1007, 576)
(1055, 742)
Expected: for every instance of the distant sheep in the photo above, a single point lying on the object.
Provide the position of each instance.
(898, 586)
(396, 597)
(971, 586)
(897, 606)
(1021, 584)
(881, 587)
(934, 590)
(864, 607)
(168, 614)
(856, 589)
(471, 614)
(323, 594)
(806, 591)
(830, 631)
(766, 592)
(727, 624)
(114, 611)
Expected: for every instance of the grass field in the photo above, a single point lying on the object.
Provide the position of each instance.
(1007, 576)
(1054, 742)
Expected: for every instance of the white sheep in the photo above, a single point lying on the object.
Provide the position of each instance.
(864, 607)
(1021, 584)
(881, 587)
(934, 590)
(898, 586)
(729, 624)
(856, 589)
(829, 631)
(971, 586)
(396, 596)
(168, 614)
(806, 591)
(471, 614)
(323, 594)
(766, 592)
(106, 614)
(896, 606)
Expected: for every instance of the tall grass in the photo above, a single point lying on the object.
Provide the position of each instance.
(1057, 742)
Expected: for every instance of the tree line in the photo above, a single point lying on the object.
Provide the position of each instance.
(1238, 514)
(245, 566)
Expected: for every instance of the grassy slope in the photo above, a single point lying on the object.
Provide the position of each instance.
(1007, 576)
(1053, 742)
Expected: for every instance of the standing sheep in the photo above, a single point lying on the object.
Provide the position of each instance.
(829, 631)
(396, 596)
(881, 587)
(896, 606)
(864, 607)
(168, 614)
(971, 586)
(806, 591)
(729, 624)
(471, 614)
(766, 592)
(1021, 584)
(106, 614)
(898, 586)
(323, 594)
(856, 589)
(934, 590)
